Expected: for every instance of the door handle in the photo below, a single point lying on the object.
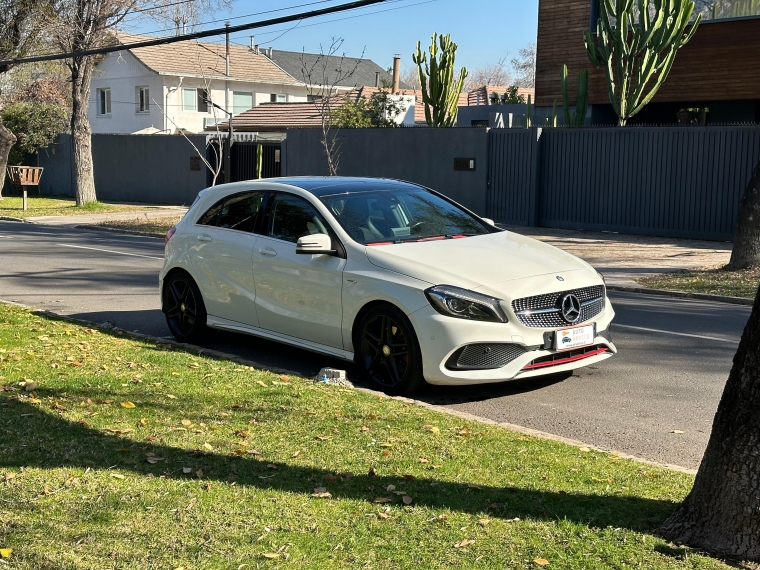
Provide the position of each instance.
(268, 251)
(204, 237)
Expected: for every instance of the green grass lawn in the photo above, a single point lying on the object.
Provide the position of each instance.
(143, 224)
(120, 453)
(11, 206)
(742, 283)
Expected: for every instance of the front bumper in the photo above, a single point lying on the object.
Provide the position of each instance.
(440, 336)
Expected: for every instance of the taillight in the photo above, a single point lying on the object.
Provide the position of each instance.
(170, 233)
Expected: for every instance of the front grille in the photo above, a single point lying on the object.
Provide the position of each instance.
(523, 308)
(567, 356)
(484, 356)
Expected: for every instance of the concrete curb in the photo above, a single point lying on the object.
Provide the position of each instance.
(118, 231)
(683, 295)
(12, 219)
(440, 409)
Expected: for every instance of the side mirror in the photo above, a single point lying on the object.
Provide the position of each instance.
(315, 244)
(489, 221)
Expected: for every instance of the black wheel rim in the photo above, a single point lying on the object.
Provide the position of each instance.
(385, 351)
(181, 307)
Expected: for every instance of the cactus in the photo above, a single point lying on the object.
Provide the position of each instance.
(259, 160)
(553, 121)
(440, 90)
(577, 117)
(638, 48)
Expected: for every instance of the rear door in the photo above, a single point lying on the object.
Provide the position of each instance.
(297, 295)
(222, 257)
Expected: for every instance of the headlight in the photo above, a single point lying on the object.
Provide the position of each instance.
(463, 304)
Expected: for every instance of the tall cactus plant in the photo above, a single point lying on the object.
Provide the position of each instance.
(440, 90)
(578, 117)
(638, 47)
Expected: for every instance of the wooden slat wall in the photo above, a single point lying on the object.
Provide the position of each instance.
(721, 63)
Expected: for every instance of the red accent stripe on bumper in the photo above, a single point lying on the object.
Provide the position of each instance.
(567, 360)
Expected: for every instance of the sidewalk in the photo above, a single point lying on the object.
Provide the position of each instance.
(87, 219)
(623, 257)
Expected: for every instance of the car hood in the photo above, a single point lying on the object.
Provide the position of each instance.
(476, 261)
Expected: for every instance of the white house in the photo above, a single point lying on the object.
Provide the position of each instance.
(168, 87)
(165, 88)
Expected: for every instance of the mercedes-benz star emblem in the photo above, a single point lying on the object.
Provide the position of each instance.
(570, 308)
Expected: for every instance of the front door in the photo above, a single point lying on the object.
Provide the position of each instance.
(297, 295)
(225, 242)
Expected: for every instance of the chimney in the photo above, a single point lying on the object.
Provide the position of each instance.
(377, 79)
(253, 43)
(396, 71)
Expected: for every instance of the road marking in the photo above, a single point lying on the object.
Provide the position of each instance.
(732, 341)
(110, 251)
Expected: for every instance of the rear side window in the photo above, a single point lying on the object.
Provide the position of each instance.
(240, 211)
(211, 215)
(291, 217)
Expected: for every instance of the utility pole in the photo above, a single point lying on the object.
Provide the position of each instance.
(228, 153)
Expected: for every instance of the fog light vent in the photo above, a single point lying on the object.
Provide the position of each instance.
(484, 356)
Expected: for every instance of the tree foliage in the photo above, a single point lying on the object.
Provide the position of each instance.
(34, 124)
(378, 110)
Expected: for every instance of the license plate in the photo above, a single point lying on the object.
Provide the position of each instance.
(565, 339)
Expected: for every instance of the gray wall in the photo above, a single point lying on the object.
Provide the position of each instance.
(422, 155)
(663, 181)
(130, 168)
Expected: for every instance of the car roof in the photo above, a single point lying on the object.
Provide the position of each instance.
(329, 185)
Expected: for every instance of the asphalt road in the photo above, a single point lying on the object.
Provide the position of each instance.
(674, 356)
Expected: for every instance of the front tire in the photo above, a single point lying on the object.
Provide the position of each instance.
(387, 351)
(184, 308)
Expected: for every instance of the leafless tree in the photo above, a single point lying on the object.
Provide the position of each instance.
(322, 77)
(524, 67)
(83, 25)
(494, 74)
(411, 77)
(185, 16)
(22, 23)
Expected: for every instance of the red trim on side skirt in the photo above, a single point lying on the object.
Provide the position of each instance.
(566, 360)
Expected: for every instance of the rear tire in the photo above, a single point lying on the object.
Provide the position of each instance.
(184, 308)
(387, 351)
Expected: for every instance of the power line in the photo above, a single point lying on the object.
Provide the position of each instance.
(198, 35)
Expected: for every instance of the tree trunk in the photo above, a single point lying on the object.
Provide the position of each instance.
(81, 132)
(746, 250)
(722, 513)
(7, 140)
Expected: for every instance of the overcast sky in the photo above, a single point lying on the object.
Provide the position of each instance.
(486, 30)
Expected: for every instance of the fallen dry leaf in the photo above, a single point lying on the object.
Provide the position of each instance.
(6, 552)
(296, 454)
(676, 431)
(584, 449)
(260, 383)
(464, 543)
(144, 421)
(208, 447)
(154, 460)
(390, 488)
(483, 522)
(187, 470)
(186, 422)
(117, 476)
(382, 515)
(171, 396)
(128, 405)
(407, 500)
(321, 493)
(541, 561)
(382, 500)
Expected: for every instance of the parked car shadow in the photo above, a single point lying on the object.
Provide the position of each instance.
(33, 437)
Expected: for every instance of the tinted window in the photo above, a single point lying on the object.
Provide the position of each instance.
(211, 215)
(240, 211)
(292, 217)
(401, 215)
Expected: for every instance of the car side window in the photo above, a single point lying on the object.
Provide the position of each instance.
(240, 211)
(292, 217)
(211, 215)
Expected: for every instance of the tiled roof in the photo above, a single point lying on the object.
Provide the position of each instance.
(482, 95)
(294, 63)
(206, 59)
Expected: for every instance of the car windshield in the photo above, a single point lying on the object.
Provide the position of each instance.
(395, 216)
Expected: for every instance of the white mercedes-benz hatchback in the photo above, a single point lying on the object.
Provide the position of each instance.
(398, 278)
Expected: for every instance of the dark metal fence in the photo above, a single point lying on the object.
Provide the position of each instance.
(665, 181)
(244, 159)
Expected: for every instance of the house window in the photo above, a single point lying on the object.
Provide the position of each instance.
(241, 102)
(142, 95)
(104, 101)
(710, 10)
(195, 100)
(277, 98)
(312, 98)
